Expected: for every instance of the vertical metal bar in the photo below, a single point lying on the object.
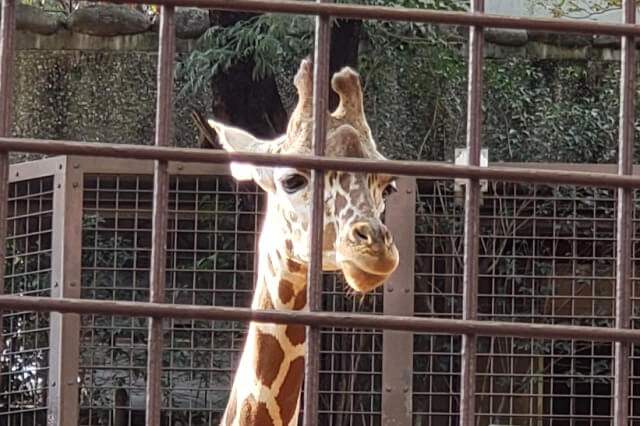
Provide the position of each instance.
(7, 30)
(64, 338)
(397, 346)
(624, 220)
(314, 276)
(164, 104)
(471, 221)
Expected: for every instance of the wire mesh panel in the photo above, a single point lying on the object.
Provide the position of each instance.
(546, 256)
(25, 356)
(351, 361)
(212, 230)
(211, 244)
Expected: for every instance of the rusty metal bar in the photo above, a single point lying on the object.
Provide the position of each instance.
(402, 168)
(323, 319)
(397, 347)
(157, 278)
(471, 222)
(624, 227)
(64, 338)
(352, 11)
(314, 273)
(7, 44)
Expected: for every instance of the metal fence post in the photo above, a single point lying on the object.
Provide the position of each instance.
(64, 338)
(397, 346)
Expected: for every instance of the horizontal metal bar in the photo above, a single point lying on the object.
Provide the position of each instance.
(319, 319)
(353, 11)
(403, 168)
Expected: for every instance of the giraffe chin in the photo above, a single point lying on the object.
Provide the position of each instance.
(361, 280)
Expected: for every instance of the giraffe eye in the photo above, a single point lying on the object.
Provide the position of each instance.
(294, 183)
(389, 189)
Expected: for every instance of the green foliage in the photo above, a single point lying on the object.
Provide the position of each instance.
(271, 40)
(266, 39)
(551, 111)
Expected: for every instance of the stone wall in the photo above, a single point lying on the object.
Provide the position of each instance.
(77, 86)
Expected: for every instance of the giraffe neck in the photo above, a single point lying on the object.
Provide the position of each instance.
(267, 386)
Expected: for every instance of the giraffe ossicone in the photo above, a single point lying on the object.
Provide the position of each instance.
(266, 389)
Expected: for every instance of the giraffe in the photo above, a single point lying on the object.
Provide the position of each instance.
(267, 386)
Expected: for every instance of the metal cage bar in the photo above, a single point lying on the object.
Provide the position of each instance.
(7, 30)
(159, 213)
(314, 273)
(624, 223)
(64, 336)
(403, 168)
(405, 14)
(471, 221)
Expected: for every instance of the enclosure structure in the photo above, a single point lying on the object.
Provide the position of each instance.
(546, 257)
(98, 212)
(467, 298)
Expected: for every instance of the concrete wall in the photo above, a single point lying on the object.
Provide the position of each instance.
(80, 87)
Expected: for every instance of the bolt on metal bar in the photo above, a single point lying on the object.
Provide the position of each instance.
(386, 13)
(625, 206)
(397, 167)
(316, 226)
(7, 44)
(164, 105)
(471, 221)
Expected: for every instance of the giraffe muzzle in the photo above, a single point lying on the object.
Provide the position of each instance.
(367, 256)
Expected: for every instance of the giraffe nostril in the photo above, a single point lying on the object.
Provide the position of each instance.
(361, 233)
(388, 238)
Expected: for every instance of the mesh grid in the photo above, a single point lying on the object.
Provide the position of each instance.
(546, 256)
(212, 229)
(25, 358)
(213, 225)
(350, 362)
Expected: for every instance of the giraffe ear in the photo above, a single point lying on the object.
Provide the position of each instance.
(234, 139)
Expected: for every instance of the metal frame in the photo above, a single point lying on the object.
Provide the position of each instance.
(469, 327)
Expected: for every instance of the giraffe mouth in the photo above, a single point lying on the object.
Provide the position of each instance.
(366, 274)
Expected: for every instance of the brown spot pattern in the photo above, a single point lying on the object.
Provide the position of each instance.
(289, 393)
(285, 290)
(267, 359)
(263, 298)
(301, 299)
(230, 412)
(296, 334)
(329, 237)
(341, 203)
(270, 265)
(289, 245)
(293, 266)
(254, 413)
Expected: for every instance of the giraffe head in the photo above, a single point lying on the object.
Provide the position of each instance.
(355, 239)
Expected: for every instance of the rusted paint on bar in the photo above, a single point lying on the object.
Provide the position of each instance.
(471, 222)
(402, 168)
(397, 347)
(164, 103)
(404, 14)
(319, 319)
(314, 274)
(624, 226)
(7, 30)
